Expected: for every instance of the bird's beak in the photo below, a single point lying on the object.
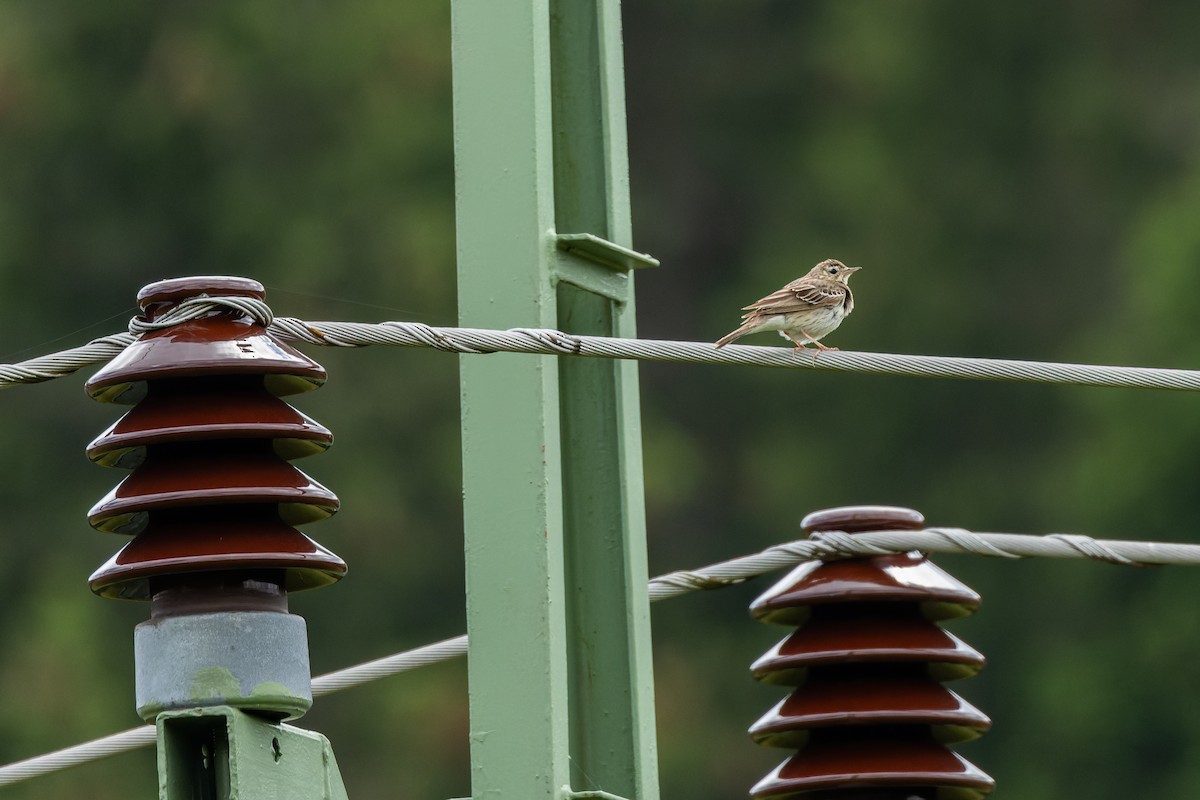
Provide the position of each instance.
(853, 269)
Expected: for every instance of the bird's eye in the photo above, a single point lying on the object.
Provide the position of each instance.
(833, 270)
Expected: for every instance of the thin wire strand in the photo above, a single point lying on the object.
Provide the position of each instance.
(69, 334)
(825, 545)
(551, 342)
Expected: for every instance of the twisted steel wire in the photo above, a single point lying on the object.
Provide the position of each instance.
(65, 362)
(828, 545)
(825, 545)
(551, 342)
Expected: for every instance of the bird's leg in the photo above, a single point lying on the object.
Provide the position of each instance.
(793, 340)
(799, 345)
(820, 347)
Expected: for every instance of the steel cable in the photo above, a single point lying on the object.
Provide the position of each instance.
(477, 341)
(825, 545)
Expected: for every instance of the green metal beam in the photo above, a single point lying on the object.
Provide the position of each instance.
(560, 675)
(613, 743)
(224, 753)
(512, 504)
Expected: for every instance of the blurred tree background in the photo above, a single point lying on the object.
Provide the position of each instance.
(1018, 180)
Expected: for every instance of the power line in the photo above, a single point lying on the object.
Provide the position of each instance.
(552, 342)
(824, 545)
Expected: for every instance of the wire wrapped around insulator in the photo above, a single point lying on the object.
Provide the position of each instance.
(208, 441)
(868, 715)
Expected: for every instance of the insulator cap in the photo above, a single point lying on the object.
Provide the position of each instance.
(856, 519)
(895, 578)
(157, 298)
(904, 578)
(225, 342)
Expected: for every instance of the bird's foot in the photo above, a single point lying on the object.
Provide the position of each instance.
(802, 349)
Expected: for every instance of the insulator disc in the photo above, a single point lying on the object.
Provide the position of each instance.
(875, 696)
(856, 519)
(212, 474)
(189, 410)
(908, 577)
(867, 633)
(870, 758)
(224, 539)
(212, 346)
(155, 298)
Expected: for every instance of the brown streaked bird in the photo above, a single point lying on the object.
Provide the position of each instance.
(806, 310)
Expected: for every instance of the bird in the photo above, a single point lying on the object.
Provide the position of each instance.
(805, 310)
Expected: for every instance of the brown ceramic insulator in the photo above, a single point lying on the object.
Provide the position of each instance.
(195, 410)
(873, 695)
(222, 539)
(211, 499)
(868, 715)
(216, 473)
(881, 633)
(885, 763)
(907, 577)
(857, 519)
(157, 298)
(226, 342)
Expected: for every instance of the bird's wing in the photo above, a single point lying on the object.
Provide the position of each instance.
(801, 297)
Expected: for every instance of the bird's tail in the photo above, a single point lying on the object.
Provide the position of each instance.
(739, 333)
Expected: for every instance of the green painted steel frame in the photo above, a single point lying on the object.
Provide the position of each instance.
(224, 753)
(561, 686)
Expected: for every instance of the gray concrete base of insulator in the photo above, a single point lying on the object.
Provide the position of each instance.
(252, 660)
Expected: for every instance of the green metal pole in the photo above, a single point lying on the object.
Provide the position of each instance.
(560, 676)
(511, 484)
(613, 743)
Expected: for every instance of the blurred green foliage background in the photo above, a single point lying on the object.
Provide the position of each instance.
(1017, 179)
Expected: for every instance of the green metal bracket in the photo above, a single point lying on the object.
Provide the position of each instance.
(569, 794)
(604, 252)
(221, 753)
(598, 265)
(561, 685)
